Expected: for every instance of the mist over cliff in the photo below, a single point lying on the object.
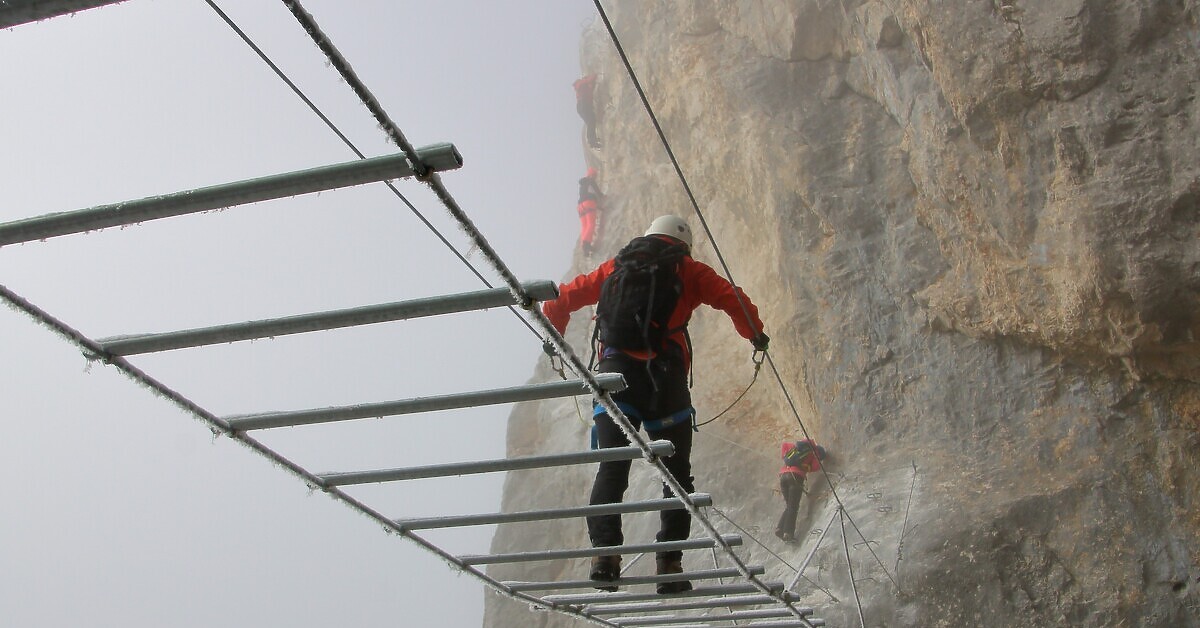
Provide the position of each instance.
(973, 231)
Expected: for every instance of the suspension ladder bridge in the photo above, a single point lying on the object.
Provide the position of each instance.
(750, 600)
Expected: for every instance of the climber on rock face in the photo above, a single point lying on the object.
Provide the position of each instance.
(653, 277)
(799, 459)
(585, 92)
(590, 205)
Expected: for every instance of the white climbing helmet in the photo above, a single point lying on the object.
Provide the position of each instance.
(673, 226)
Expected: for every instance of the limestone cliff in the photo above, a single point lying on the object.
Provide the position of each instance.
(972, 229)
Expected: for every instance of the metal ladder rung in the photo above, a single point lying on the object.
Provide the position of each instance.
(319, 321)
(658, 447)
(717, 619)
(438, 157)
(682, 621)
(723, 602)
(669, 620)
(731, 540)
(703, 574)
(768, 613)
(611, 382)
(699, 499)
(595, 598)
(787, 624)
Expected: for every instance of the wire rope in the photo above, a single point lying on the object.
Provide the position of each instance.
(94, 351)
(850, 566)
(602, 397)
(350, 144)
(720, 257)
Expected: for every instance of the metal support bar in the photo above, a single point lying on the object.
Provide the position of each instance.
(731, 540)
(14, 12)
(625, 581)
(611, 382)
(659, 447)
(594, 598)
(700, 499)
(718, 619)
(320, 321)
(666, 620)
(437, 157)
(800, 572)
(721, 602)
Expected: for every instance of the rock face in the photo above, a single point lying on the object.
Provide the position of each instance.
(973, 230)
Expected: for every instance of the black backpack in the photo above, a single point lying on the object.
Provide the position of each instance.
(796, 456)
(637, 299)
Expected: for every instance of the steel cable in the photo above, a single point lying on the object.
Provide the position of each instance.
(432, 180)
(350, 144)
(720, 257)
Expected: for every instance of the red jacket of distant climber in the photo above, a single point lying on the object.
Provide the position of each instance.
(701, 286)
(809, 464)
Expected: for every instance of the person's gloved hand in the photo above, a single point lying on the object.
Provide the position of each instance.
(549, 349)
(760, 341)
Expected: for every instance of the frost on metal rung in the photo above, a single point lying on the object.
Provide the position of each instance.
(709, 620)
(699, 499)
(731, 540)
(703, 574)
(658, 447)
(610, 382)
(721, 602)
(374, 169)
(14, 12)
(615, 598)
(322, 321)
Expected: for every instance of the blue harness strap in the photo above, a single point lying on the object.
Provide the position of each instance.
(650, 425)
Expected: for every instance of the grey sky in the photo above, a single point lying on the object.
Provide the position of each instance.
(120, 510)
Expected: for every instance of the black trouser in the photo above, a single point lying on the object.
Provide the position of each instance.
(792, 487)
(612, 478)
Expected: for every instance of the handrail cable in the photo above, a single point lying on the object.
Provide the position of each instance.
(432, 180)
(350, 144)
(721, 258)
(93, 351)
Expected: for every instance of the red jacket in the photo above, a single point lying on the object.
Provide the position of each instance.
(701, 285)
(808, 465)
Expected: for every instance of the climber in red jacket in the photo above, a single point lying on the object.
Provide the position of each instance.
(590, 199)
(799, 459)
(652, 354)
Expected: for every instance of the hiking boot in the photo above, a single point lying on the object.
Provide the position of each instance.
(606, 569)
(671, 566)
(785, 536)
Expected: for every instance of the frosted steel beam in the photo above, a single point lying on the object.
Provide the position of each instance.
(611, 382)
(722, 602)
(709, 620)
(625, 581)
(321, 321)
(731, 540)
(787, 623)
(768, 613)
(438, 157)
(699, 499)
(14, 12)
(614, 598)
(659, 447)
